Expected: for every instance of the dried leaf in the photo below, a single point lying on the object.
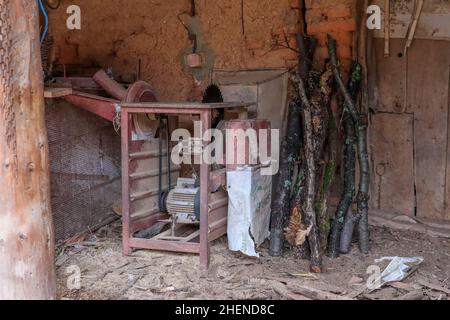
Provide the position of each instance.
(296, 232)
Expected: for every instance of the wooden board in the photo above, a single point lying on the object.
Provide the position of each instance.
(427, 95)
(433, 24)
(391, 76)
(393, 163)
(51, 93)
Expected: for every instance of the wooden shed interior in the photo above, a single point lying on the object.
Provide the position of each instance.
(84, 83)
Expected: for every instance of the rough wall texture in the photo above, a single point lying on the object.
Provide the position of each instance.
(116, 33)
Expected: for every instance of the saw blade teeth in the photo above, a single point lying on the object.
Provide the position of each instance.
(212, 94)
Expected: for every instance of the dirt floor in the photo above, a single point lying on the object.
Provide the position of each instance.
(106, 274)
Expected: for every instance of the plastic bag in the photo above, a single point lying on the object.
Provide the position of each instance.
(399, 269)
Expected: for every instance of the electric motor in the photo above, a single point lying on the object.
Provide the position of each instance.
(183, 202)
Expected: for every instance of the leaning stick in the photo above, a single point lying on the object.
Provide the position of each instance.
(350, 104)
(414, 23)
(387, 28)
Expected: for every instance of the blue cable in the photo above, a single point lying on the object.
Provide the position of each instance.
(44, 34)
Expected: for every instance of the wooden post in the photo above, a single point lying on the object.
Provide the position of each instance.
(26, 230)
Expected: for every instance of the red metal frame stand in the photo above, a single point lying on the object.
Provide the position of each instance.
(207, 233)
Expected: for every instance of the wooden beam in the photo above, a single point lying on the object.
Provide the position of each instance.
(26, 231)
(51, 93)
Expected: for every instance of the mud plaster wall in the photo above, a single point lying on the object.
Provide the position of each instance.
(116, 33)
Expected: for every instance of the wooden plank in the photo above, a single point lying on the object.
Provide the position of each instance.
(433, 23)
(144, 194)
(161, 245)
(391, 76)
(51, 93)
(187, 105)
(144, 213)
(147, 222)
(383, 219)
(126, 210)
(393, 163)
(153, 173)
(205, 172)
(427, 93)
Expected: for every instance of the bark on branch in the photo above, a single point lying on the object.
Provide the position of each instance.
(349, 164)
(350, 103)
(281, 205)
(361, 122)
(310, 215)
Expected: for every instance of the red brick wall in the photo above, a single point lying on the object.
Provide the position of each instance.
(336, 18)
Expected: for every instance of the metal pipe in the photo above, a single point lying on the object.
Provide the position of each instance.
(110, 85)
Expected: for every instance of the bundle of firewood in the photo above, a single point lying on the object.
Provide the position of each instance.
(300, 213)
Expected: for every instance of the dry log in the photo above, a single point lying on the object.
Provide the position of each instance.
(323, 220)
(323, 130)
(360, 117)
(306, 47)
(310, 215)
(349, 102)
(349, 188)
(27, 267)
(365, 44)
(281, 205)
(363, 191)
(349, 165)
(297, 230)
